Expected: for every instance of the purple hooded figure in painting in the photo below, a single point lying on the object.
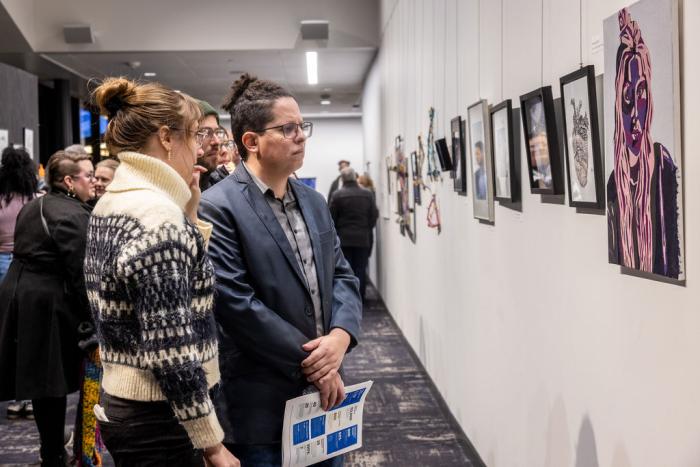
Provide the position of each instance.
(642, 189)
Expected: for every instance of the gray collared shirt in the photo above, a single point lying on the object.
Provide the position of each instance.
(292, 222)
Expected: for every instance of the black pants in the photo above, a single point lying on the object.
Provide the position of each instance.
(141, 434)
(50, 418)
(358, 257)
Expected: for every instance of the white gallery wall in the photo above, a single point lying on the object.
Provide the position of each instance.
(546, 354)
(333, 139)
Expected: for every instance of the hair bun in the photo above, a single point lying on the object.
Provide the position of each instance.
(237, 89)
(113, 95)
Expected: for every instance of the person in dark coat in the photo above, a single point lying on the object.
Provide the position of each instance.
(338, 182)
(43, 300)
(354, 213)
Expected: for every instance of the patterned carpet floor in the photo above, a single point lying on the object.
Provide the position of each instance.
(406, 422)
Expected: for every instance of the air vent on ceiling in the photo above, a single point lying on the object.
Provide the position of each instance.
(78, 34)
(314, 30)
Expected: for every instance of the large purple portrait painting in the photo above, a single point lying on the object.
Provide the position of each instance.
(642, 131)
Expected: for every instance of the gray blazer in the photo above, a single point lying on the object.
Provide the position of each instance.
(263, 307)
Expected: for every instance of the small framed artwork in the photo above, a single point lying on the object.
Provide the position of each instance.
(459, 156)
(481, 160)
(505, 182)
(406, 210)
(541, 141)
(443, 154)
(29, 141)
(584, 171)
(415, 178)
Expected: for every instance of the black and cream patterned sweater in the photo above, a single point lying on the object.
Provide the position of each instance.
(150, 286)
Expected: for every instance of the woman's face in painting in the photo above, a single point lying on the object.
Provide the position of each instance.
(634, 104)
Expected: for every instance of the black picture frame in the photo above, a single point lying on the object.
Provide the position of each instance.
(585, 134)
(443, 154)
(459, 155)
(540, 131)
(504, 108)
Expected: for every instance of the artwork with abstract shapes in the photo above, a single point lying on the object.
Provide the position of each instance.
(582, 138)
(643, 139)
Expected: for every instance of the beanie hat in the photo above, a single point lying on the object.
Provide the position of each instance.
(206, 109)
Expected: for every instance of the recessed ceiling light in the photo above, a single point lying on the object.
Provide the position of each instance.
(149, 74)
(326, 102)
(312, 67)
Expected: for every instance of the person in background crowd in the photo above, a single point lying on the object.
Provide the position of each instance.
(18, 186)
(104, 174)
(365, 181)
(77, 150)
(211, 144)
(224, 166)
(225, 149)
(151, 284)
(354, 213)
(287, 304)
(337, 183)
(43, 300)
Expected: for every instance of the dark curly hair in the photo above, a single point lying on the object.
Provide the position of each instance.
(250, 103)
(17, 175)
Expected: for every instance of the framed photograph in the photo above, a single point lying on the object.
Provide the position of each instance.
(644, 175)
(29, 141)
(459, 156)
(481, 160)
(443, 154)
(584, 173)
(415, 178)
(541, 142)
(505, 181)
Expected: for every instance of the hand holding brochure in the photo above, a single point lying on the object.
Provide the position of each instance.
(311, 435)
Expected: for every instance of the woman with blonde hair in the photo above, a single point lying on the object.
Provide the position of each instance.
(150, 284)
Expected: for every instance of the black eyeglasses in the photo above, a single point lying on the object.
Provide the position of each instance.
(290, 129)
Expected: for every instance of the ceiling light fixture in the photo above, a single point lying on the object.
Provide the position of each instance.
(149, 74)
(326, 102)
(312, 67)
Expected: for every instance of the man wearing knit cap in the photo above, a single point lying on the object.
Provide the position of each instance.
(211, 143)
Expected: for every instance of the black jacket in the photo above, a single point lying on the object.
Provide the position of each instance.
(217, 175)
(355, 213)
(43, 300)
(263, 307)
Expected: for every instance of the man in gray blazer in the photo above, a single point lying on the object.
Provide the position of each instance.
(287, 306)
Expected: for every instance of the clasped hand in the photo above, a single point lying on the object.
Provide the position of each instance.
(322, 365)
